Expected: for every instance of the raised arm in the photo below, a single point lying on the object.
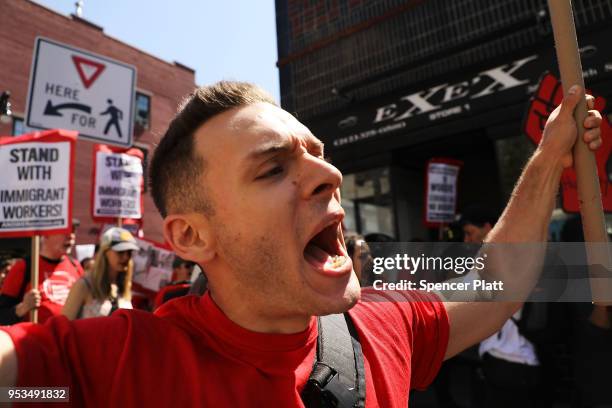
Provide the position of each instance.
(525, 220)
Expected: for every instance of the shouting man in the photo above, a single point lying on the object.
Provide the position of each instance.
(246, 193)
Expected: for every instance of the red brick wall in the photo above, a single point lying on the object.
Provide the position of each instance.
(20, 22)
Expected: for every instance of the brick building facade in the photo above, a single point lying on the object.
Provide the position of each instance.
(159, 89)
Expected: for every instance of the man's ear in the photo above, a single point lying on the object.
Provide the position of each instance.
(190, 236)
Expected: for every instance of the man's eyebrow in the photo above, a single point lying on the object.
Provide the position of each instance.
(271, 148)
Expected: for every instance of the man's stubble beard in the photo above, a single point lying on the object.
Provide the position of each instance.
(260, 272)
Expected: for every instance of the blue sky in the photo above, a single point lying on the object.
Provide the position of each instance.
(219, 39)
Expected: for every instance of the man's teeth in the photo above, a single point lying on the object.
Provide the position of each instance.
(338, 260)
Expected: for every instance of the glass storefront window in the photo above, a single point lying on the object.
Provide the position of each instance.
(367, 201)
(19, 127)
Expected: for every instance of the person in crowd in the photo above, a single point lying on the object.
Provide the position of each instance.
(359, 252)
(87, 264)
(511, 368)
(476, 222)
(5, 266)
(246, 193)
(589, 333)
(180, 284)
(108, 287)
(200, 283)
(58, 271)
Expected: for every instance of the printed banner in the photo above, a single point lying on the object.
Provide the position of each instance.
(36, 183)
(117, 183)
(441, 191)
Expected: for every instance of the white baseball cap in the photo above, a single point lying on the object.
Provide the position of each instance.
(119, 239)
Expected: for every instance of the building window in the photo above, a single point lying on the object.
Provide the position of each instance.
(366, 199)
(142, 119)
(145, 165)
(19, 127)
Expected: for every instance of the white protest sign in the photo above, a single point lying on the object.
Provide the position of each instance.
(152, 265)
(76, 89)
(36, 183)
(441, 195)
(118, 180)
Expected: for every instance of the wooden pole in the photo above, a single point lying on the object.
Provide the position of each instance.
(119, 222)
(589, 195)
(34, 256)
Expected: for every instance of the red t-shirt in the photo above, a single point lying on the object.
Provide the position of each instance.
(54, 281)
(190, 354)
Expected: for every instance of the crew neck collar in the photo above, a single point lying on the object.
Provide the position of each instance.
(256, 341)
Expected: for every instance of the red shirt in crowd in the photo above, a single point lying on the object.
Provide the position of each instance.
(190, 354)
(178, 289)
(55, 278)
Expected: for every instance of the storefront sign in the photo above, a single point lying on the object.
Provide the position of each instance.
(117, 183)
(499, 85)
(36, 183)
(441, 194)
(546, 98)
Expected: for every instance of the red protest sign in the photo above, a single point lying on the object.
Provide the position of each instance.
(548, 95)
(36, 183)
(117, 183)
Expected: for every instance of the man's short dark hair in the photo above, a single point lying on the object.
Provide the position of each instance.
(176, 167)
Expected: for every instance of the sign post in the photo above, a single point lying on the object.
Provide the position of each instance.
(591, 210)
(34, 253)
(76, 89)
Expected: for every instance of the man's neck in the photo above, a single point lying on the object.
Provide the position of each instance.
(251, 318)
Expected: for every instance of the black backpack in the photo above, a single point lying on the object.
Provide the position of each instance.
(338, 376)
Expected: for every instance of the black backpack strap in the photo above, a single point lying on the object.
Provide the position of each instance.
(338, 377)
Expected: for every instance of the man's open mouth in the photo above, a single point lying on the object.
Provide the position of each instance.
(325, 251)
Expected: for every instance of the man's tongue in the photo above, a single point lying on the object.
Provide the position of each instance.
(317, 254)
(322, 259)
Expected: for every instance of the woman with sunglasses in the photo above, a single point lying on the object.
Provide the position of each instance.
(108, 287)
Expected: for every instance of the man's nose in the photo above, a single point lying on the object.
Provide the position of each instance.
(320, 178)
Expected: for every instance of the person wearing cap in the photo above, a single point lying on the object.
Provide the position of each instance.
(58, 271)
(108, 287)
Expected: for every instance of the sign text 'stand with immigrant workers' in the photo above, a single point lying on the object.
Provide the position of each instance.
(36, 183)
(76, 89)
(117, 183)
(441, 193)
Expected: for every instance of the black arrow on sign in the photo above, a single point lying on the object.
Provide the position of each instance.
(51, 110)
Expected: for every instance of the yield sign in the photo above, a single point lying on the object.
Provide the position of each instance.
(88, 70)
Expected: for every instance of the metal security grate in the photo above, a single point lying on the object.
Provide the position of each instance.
(367, 48)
